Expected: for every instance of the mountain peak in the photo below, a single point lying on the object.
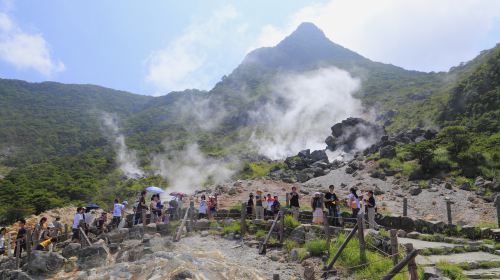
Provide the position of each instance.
(308, 29)
(305, 47)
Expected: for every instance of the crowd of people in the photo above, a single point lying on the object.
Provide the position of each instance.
(258, 206)
(43, 236)
(266, 206)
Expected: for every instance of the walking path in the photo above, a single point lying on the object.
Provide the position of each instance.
(457, 258)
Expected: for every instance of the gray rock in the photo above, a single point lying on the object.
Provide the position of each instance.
(43, 262)
(415, 190)
(71, 250)
(465, 186)
(8, 274)
(204, 233)
(202, 224)
(447, 186)
(413, 234)
(388, 152)
(183, 275)
(401, 233)
(319, 155)
(92, 256)
(298, 234)
(432, 189)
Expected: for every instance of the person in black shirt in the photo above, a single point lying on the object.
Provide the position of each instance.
(331, 202)
(21, 236)
(294, 202)
(250, 206)
(370, 205)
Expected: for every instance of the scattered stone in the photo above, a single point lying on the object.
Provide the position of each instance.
(465, 186)
(448, 186)
(415, 190)
(71, 250)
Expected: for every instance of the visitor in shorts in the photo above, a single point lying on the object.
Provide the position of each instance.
(202, 208)
(353, 203)
(118, 210)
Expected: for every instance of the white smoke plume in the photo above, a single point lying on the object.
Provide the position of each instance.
(304, 108)
(127, 159)
(188, 169)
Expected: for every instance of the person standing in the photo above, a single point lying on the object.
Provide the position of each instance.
(3, 231)
(76, 223)
(250, 205)
(259, 209)
(118, 211)
(354, 203)
(276, 205)
(294, 203)
(58, 227)
(141, 206)
(370, 204)
(317, 206)
(153, 209)
(21, 237)
(202, 208)
(269, 208)
(331, 201)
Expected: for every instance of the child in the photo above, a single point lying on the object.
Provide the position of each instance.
(44, 245)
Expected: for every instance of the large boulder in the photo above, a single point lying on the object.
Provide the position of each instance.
(298, 234)
(42, 262)
(319, 155)
(202, 224)
(7, 274)
(71, 250)
(388, 152)
(92, 256)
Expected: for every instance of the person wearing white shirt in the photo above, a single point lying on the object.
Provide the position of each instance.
(118, 210)
(76, 222)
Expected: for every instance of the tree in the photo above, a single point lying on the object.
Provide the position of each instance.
(423, 152)
(457, 139)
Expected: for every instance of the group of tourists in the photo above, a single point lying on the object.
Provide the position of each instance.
(268, 206)
(43, 236)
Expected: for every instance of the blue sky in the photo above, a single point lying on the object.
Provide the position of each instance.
(152, 47)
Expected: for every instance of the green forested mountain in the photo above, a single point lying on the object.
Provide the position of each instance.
(53, 149)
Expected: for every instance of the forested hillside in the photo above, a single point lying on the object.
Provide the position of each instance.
(54, 151)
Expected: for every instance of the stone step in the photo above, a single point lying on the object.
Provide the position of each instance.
(420, 244)
(483, 273)
(457, 258)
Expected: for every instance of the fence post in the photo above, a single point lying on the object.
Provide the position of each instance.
(498, 214)
(243, 226)
(282, 227)
(405, 261)
(405, 207)
(361, 237)
(66, 230)
(326, 227)
(9, 246)
(394, 246)
(183, 223)
(18, 253)
(28, 244)
(342, 247)
(448, 211)
(412, 265)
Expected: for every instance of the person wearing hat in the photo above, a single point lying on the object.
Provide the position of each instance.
(317, 206)
(259, 209)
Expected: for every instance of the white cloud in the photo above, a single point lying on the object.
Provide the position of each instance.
(25, 50)
(420, 34)
(185, 62)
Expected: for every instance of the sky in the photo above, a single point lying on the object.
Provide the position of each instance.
(154, 47)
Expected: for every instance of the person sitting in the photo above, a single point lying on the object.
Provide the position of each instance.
(44, 245)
